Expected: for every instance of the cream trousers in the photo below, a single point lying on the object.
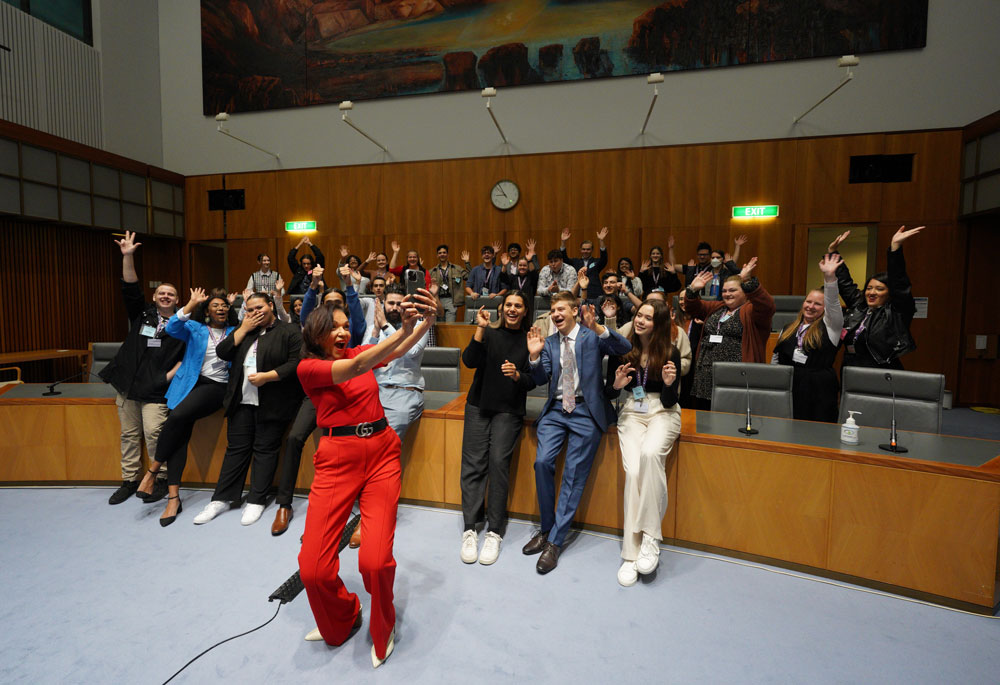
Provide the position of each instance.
(645, 441)
(139, 420)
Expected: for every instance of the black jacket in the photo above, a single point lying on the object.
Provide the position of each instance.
(279, 351)
(138, 371)
(300, 279)
(887, 331)
(593, 267)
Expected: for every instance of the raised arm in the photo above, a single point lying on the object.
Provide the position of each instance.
(833, 315)
(135, 302)
(602, 258)
(739, 241)
(395, 254)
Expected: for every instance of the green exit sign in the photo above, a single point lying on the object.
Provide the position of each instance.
(300, 226)
(755, 211)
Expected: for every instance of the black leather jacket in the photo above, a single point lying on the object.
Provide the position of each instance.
(887, 331)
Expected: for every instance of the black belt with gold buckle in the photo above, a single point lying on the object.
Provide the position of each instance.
(362, 430)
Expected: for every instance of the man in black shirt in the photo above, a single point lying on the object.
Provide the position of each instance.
(587, 261)
(141, 372)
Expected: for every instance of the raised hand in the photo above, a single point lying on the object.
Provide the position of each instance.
(670, 267)
(410, 314)
(198, 296)
(668, 373)
(646, 264)
(379, 317)
(832, 247)
(536, 343)
(582, 279)
(496, 245)
(622, 374)
(127, 244)
(303, 241)
(247, 292)
(902, 234)
(609, 310)
(504, 258)
(344, 251)
(307, 241)
(529, 245)
(700, 281)
(231, 297)
(628, 273)
(741, 239)
(588, 316)
(602, 234)
(482, 317)
(465, 256)
(690, 262)
(726, 257)
(425, 303)
(317, 277)
(395, 246)
(279, 284)
(828, 265)
(345, 272)
(565, 235)
(747, 268)
(670, 242)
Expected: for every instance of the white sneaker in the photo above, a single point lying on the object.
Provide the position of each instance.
(491, 549)
(376, 662)
(313, 635)
(211, 510)
(649, 555)
(627, 575)
(251, 514)
(470, 546)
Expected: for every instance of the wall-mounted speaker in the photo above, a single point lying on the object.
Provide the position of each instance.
(881, 168)
(226, 200)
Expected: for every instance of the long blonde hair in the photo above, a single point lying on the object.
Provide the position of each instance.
(813, 338)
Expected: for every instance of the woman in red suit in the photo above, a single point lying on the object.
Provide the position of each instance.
(358, 455)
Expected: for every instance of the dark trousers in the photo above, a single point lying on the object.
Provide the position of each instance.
(302, 428)
(582, 435)
(204, 400)
(487, 447)
(249, 440)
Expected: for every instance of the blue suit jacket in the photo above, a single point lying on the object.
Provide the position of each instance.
(590, 350)
(196, 336)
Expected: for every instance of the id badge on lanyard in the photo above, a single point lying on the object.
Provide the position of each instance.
(640, 403)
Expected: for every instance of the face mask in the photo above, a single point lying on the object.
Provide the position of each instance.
(716, 262)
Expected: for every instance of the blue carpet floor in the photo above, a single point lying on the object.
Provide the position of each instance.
(95, 593)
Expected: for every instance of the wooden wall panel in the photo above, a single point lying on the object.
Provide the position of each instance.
(980, 378)
(259, 219)
(241, 258)
(465, 196)
(412, 198)
(93, 442)
(945, 547)
(547, 193)
(754, 501)
(199, 223)
(679, 186)
(823, 193)
(160, 259)
(933, 195)
(355, 202)
(605, 191)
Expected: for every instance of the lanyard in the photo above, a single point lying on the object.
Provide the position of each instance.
(655, 273)
(521, 282)
(643, 375)
(861, 326)
(801, 335)
(444, 274)
(725, 317)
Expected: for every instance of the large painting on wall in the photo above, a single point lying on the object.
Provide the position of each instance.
(266, 54)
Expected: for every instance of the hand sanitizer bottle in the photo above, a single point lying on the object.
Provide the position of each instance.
(849, 430)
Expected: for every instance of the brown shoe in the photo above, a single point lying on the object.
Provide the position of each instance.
(355, 538)
(549, 558)
(281, 520)
(535, 544)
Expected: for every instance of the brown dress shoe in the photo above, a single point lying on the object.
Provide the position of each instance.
(549, 558)
(355, 538)
(281, 521)
(536, 544)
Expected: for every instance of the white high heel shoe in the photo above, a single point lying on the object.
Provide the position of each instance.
(376, 662)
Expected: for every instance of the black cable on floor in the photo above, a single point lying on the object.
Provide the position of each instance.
(222, 643)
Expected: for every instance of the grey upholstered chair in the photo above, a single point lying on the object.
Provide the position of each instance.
(786, 308)
(100, 354)
(770, 389)
(440, 368)
(919, 397)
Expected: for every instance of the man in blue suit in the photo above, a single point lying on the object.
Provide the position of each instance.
(569, 361)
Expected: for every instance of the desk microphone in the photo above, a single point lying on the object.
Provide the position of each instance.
(52, 391)
(749, 430)
(891, 446)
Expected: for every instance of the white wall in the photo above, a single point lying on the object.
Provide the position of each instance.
(127, 36)
(951, 82)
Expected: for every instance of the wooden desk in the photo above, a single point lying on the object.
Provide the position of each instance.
(927, 523)
(14, 358)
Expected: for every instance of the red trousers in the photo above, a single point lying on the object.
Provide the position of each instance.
(347, 467)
